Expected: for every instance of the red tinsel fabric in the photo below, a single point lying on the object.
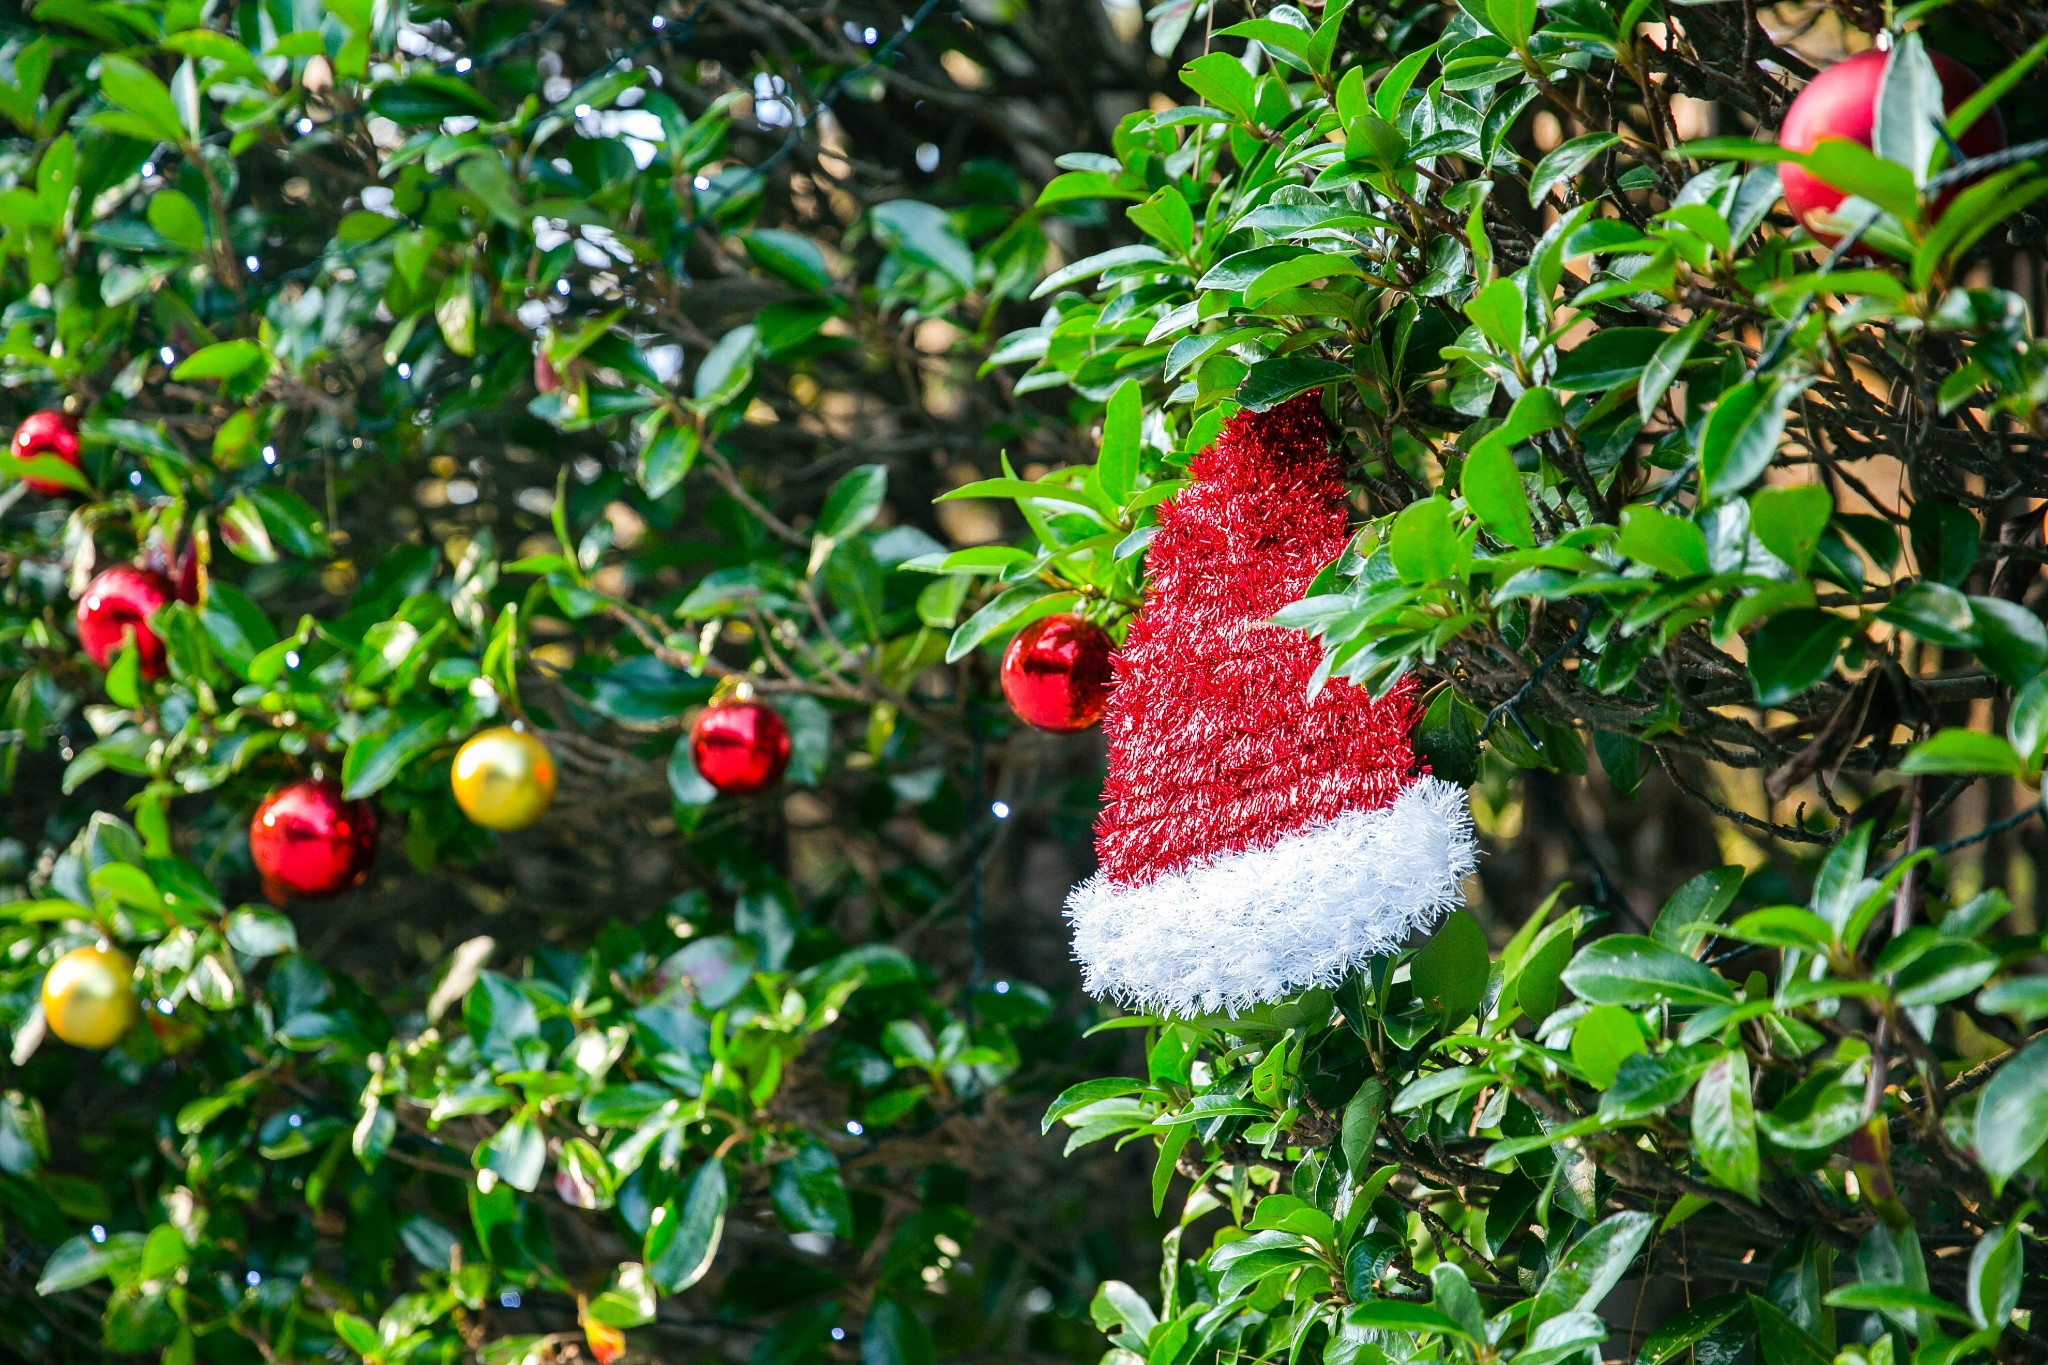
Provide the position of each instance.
(1214, 747)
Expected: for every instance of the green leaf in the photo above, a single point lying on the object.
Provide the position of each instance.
(1116, 468)
(1425, 545)
(1794, 650)
(1497, 311)
(923, 235)
(1447, 737)
(2012, 1116)
(83, 1260)
(894, 1335)
(1724, 1125)
(424, 99)
(1394, 1315)
(1910, 109)
(517, 1152)
(1270, 383)
(683, 1235)
(1789, 520)
(1602, 1040)
(1964, 751)
(1090, 266)
(1672, 545)
(224, 360)
(853, 502)
(1361, 1124)
(789, 256)
(1612, 356)
(727, 369)
(1936, 613)
(1566, 160)
(808, 1193)
(1449, 972)
(177, 219)
(1741, 435)
(1222, 80)
(1298, 272)
(260, 932)
(1680, 1332)
(1702, 900)
(130, 85)
(1624, 969)
(1780, 1340)
(1996, 1267)
(380, 753)
(1663, 366)
(1944, 538)
(124, 675)
(1874, 1296)
(1010, 610)
(1856, 170)
(358, 1334)
(1588, 1272)
(2013, 642)
(667, 458)
(1493, 490)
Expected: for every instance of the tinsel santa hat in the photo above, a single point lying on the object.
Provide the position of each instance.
(1254, 842)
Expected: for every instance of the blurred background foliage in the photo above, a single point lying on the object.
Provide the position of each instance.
(555, 362)
(564, 362)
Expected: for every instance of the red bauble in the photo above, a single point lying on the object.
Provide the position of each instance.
(182, 568)
(47, 433)
(1842, 102)
(187, 586)
(1056, 673)
(307, 840)
(117, 602)
(740, 746)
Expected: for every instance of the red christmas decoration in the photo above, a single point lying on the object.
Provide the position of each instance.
(117, 603)
(1056, 673)
(47, 433)
(1841, 102)
(181, 567)
(1254, 842)
(740, 746)
(307, 840)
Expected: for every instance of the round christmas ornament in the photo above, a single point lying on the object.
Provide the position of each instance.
(306, 840)
(504, 778)
(47, 433)
(119, 602)
(1253, 842)
(739, 746)
(1056, 673)
(89, 997)
(1841, 102)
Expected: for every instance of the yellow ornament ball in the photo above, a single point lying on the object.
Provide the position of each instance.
(89, 997)
(504, 778)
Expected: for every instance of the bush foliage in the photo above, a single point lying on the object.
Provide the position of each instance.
(572, 364)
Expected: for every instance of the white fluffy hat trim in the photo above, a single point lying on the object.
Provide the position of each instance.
(1244, 928)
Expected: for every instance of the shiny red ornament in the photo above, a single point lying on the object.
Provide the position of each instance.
(740, 746)
(1841, 102)
(118, 602)
(1056, 673)
(181, 567)
(47, 433)
(187, 577)
(307, 840)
